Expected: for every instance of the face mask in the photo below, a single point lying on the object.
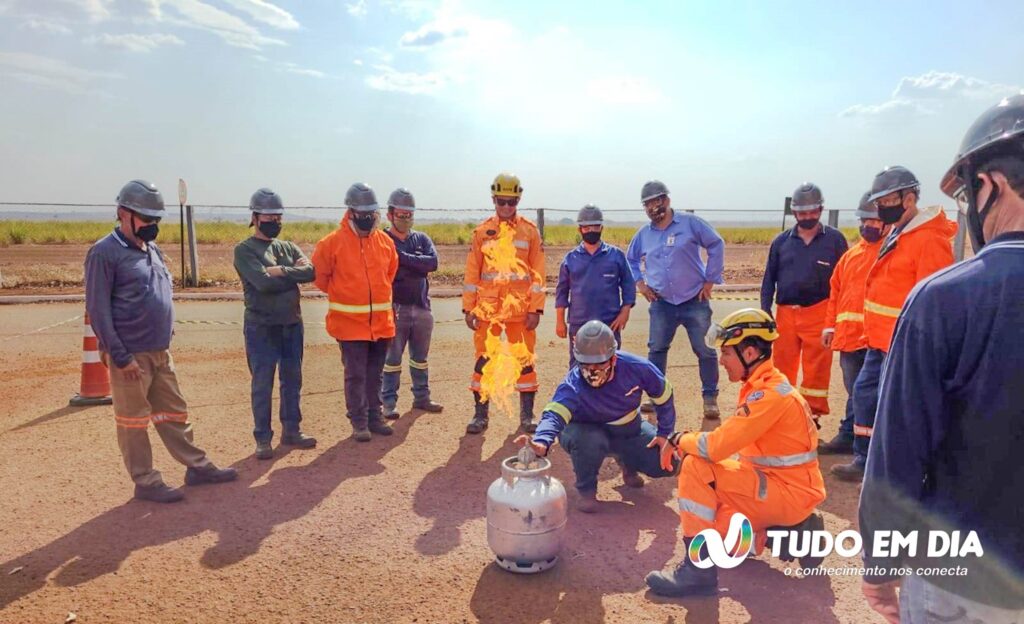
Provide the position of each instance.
(807, 224)
(270, 229)
(891, 214)
(592, 238)
(365, 221)
(597, 377)
(146, 233)
(870, 234)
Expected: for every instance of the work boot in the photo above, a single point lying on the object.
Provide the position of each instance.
(264, 450)
(684, 581)
(209, 474)
(711, 408)
(298, 440)
(391, 412)
(360, 433)
(630, 477)
(647, 407)
(812, 523)
(378, 426)
(159, 493)
(428, 406)
(842, 444)
(479, 422)
(526, 411)
(587, 503)
(852, 472)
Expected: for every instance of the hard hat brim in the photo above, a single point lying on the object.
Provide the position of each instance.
(650, 197)
(592, 359)
(148, 212)
(370, 208)
(590, 223)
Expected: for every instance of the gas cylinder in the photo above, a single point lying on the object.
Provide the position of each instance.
(526, 515)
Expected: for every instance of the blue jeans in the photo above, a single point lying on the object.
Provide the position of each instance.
(695, 316)
(413, 327)
(850, 362)
(270, 347)
(588, 444)
(924, 603)
(865, 403)
(572, 341)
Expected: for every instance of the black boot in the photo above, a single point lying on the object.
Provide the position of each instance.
(526, 411)
(479, 422)
(685, 580)
(813, 522)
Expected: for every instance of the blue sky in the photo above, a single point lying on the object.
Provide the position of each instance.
(733, 104)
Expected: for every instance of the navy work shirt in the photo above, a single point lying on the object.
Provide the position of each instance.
(417, 258)
(594, 286)
(799, 274)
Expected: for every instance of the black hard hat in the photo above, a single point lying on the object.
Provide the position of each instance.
(807, 196)
(892, 179)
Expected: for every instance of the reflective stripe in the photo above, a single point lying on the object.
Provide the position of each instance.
(527, 386)
(625, 420)
(393, 368)
(878, 308)
(512, 277)
(90, 357)
(469, 288)
(814, 392)
(702, 446)
(781, 461)
(850, 316)
(559, 409)
(664, 396)
(129, 422)
(378, 306)
(784, 388)
(165, 417)
(521, 244)
(861, 430)
(701, 511)
(537, 289)
(762, 485)
(474, 385)
(417, 365)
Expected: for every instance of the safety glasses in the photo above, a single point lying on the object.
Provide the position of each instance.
(511, 201)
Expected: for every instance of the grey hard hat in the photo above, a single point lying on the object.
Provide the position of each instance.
(997, 128)
(361, 198)
(807, 196)
(142, 197)
(402, 198)
(595, 343)
(891, 180)
(266, 201)
(652, 189)
(866, 208)
(590, 215)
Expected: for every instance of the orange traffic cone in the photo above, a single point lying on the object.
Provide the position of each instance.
(95, 388)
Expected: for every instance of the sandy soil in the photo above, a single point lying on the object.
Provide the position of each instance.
(389, 531)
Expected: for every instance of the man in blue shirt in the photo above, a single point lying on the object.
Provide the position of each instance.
(800, 266)
(594, 414)
(594, 283)
(414, 322)
(945, 450)
(666, 263)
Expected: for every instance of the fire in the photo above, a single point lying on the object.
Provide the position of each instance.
(505, 359)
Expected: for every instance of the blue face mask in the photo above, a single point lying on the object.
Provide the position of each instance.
(870, 234)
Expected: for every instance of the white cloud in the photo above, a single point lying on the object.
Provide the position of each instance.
(432, 34)
(44, 25)
(265, 12)
(292, 68)
(412, 9)
(929, 94)
(357, 9)
(134, 43)
(50, 72)
(901, 108)
(358, 62)
(389, 79)
(231, 29)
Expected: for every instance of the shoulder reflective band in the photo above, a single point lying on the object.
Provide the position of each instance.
(664, 396)
(781, 461)
(702, 446)
(784, 388)
(878, 308)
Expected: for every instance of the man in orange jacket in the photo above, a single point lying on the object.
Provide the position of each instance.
(504, 294)
(844, 316)
(355, 266)
(917, 246)
(775, 482)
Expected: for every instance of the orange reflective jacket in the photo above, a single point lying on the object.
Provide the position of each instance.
(484, 284)
(356, 274)
(845, 311)
(773, 432)
(922, 248)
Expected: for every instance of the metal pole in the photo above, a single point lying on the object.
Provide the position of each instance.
(540, 222)
(193, 249)
(785, 211)
(833, 218)
(181, 235)
(959, 241)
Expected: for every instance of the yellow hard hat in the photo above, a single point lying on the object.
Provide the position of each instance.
(506, 185)
(745, 323)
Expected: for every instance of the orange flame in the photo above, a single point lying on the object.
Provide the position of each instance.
(505, 359)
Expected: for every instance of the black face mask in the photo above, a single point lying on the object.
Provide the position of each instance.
(870, 234)
(807, 224)
(592, 238)
(364, 221)
(270, 229)
(146, 233)
(891, 214)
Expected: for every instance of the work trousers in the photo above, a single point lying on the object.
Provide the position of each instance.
(413, 327)
(364, 366)
(799, 345)
(272, 349)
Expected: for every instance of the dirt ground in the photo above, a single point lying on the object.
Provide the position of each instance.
(39, 269)
(389, 531)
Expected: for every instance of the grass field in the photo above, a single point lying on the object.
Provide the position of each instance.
(223, 232)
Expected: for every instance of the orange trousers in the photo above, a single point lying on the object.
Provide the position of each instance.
(515, 332)
(710, 493)
(800, 343)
